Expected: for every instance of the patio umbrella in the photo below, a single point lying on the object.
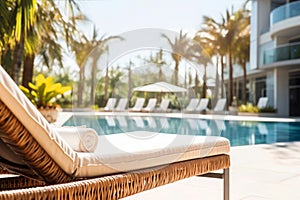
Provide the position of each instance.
(160, 87)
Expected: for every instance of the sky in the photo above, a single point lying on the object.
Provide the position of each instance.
(113, 17)
(141, 22)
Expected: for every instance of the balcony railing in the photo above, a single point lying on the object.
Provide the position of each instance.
(285, 12)
(282, 53)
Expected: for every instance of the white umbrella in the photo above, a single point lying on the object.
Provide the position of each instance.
(160, 87)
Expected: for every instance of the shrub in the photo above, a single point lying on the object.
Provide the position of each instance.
(248, 108)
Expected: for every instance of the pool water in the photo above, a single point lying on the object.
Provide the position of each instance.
(238, 132)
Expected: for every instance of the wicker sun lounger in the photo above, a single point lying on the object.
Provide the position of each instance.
(40, 175)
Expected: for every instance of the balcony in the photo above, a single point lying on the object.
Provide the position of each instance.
(285, 12)
(282, 53)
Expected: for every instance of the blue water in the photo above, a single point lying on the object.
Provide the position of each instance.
(238, 132)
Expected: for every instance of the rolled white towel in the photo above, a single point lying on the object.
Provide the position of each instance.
(80, 139)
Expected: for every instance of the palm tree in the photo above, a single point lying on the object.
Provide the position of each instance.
(158, 61)
(36, 28)
(201, 56)
(222, 37)
(242, 49)
(180, 48)
(234, 25)
(211, 37)
(95, 47)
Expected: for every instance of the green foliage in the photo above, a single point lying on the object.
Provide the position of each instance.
(248, 108)
(43, 92)
(254, 109)
(268, 109)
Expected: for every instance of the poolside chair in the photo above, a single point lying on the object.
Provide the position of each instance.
(202, 106)
(121, 105)
(48, 167)
(220, 105)
(192, 105)
(164, 105)
(150, 106)
(110, 105)
(138, 106)
(262, 102)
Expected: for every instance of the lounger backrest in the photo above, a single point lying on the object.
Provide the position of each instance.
(262, 102)
(202, 104)
(139, 104)
(111, 103)
(220, 106)
(151, 104)
(192, 104)
(38, 127)
(164, 104)
(122, 104)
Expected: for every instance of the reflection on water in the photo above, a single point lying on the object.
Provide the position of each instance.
(238, 132)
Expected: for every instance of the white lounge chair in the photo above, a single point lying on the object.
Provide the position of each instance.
(262, 102)
(150, 106)
(220, 105)
(163, 107)
(192, 105)
(121, 105)
(138, 106)
(110, 105)
(202, 106)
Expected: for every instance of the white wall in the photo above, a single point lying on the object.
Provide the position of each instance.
(260, 21)
(281, 78)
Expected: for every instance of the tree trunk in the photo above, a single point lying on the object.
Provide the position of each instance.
(230, 79)
(93, 74)
(80, 86)
(17, 60)
(217, 85)
(222, 76)
(196, 85)
(129, 83)
(204, 84)
(27, 70)
(176, 69)
(106, 85)
(244, 83)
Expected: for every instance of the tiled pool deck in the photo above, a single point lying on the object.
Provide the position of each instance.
(257, 172)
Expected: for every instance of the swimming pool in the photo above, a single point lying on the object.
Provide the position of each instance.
(238, 132)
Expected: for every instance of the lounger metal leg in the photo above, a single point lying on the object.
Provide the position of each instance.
(226, 183)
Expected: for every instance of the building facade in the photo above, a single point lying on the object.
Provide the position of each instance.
(275, 54)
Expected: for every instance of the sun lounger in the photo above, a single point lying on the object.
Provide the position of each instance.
(150, 106)
(110, 105)
(138, 106)
(191, 107)
(164, 105)
(220, 105)
(121, 105)
(262, 102)
(121, 164)
(202, 106)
